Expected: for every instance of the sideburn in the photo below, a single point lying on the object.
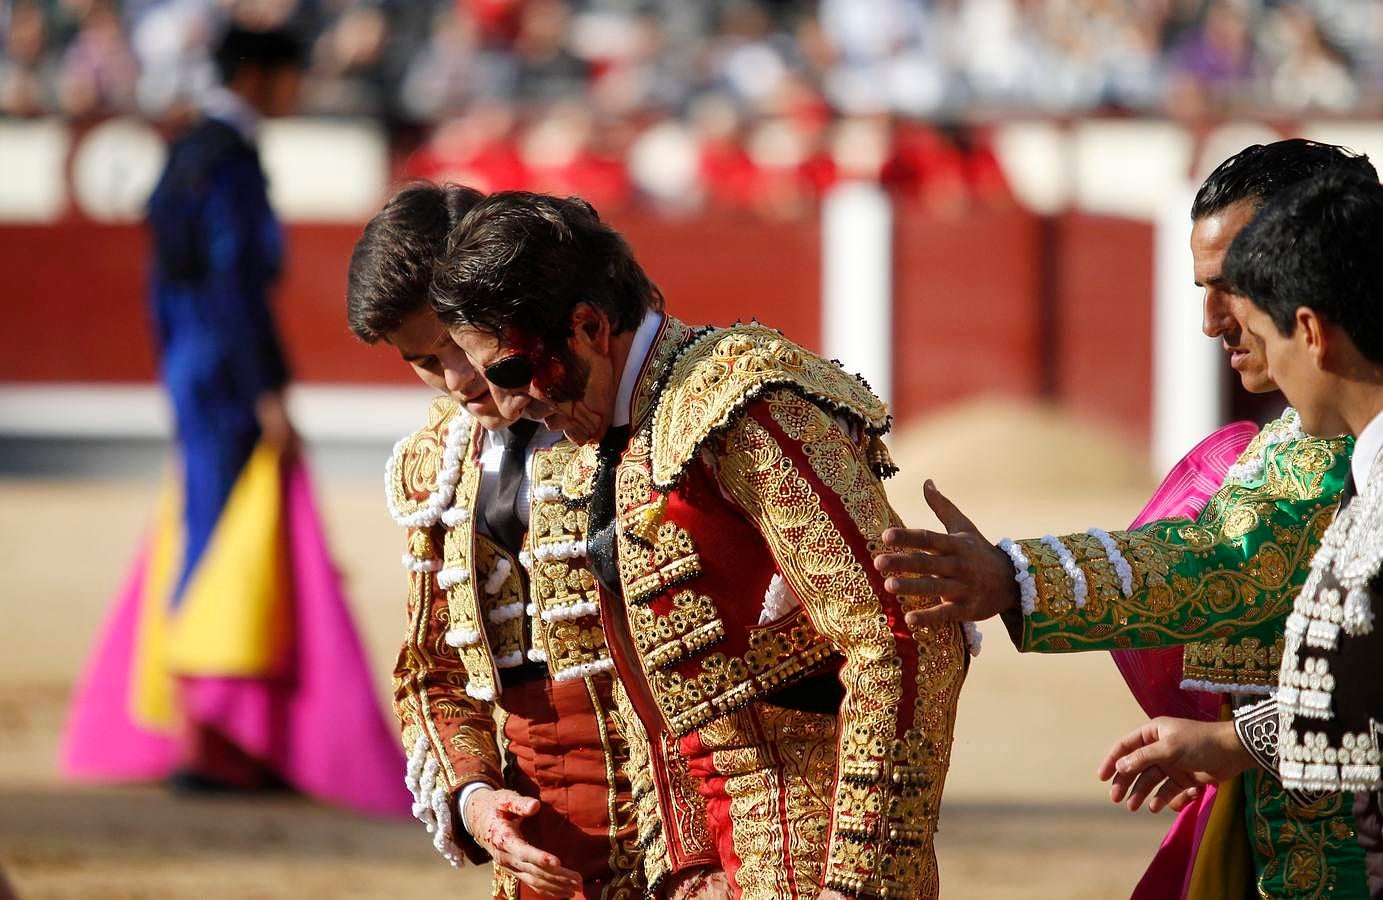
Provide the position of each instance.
(563, 379)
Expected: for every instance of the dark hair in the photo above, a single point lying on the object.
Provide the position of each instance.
(527, 259)
(1317, 245)
(270, 49)
(391, 267)
(1259, 172)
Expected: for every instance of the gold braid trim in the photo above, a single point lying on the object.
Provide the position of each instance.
(650, 832)
(626, 881)
(464, 598)
(723, 371)
(892, 760)
(418, 459)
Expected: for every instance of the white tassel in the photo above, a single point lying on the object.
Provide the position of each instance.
(496, 579)
(585, 670)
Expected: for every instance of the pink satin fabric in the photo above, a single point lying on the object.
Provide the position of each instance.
(320, 726)
(1154, 676)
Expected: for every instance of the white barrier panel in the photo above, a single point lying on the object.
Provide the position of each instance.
(1129, 168)
(320, 413)
(325, 171)
(857, 282)
(115, 168)
(1189, 369)
(33, 186)
(1361, 137)
(1036, 159)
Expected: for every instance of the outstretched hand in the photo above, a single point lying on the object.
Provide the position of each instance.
(971, 578)
(494, 819)
(1166, 762)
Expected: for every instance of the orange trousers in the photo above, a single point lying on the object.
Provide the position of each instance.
(564, 750)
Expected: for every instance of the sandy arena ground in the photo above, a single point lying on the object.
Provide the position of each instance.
(1023, 817)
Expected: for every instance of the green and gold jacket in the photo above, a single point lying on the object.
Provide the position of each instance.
(1222, 586)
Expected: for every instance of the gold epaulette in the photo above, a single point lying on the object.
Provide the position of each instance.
(418, 459)
(722, 372)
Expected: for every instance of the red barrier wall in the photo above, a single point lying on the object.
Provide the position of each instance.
(994, 302)
(968, 306)
(1103, 318)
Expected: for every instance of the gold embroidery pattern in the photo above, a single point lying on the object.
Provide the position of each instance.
(1190, 604)
(778, 766)
(650, 836)
(690, 628)
(887, 798)
(776, 657)
(562, 583)
(654, 555)
(507, 637)
(723, 371)
(666, 636)
(842, 471)
(1233, 662)
(670, 345)
(419, 459)
(685, 807)
(1301, 850)
(463, 598)
(625, 862)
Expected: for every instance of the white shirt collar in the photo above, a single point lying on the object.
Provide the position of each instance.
(225, 105)
(1366, 449)
(644, 336)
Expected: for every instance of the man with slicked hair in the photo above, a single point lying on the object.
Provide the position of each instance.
(1194, 600)
(475, 680)
(727, 492)
(1310, 266)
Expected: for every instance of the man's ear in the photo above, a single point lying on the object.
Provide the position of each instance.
(590, 327)
(1315, 334)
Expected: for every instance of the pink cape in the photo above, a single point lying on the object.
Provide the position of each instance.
(319, 727)
(1154, 676)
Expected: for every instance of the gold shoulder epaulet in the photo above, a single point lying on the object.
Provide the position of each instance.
(720, 373)
(420, 473)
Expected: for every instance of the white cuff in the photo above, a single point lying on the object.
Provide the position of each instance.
(1027, 585)
(461, 799)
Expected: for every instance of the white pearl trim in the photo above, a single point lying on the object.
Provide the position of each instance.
(1027, 585)
(483, 694)
(1116, 559)
(973, 637)
(506, 613)
(421, 566)
(430, 800)
(443, 492)
(585, 670)
(1248, 472)
(462, 637)
(450, 578)
(1216, 687)
(496, 580)
(1080, 590)
(569, 611)
(509, 660)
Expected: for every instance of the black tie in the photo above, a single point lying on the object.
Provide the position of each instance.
(502, 510)
(600, 530)
(1349, 492)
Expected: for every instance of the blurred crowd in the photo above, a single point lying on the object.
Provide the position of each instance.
(762, 103)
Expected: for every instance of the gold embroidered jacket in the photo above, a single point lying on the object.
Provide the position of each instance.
(1222, 585)
(468, 620)
(752, 458)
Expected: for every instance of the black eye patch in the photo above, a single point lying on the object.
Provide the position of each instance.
(511, 373)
